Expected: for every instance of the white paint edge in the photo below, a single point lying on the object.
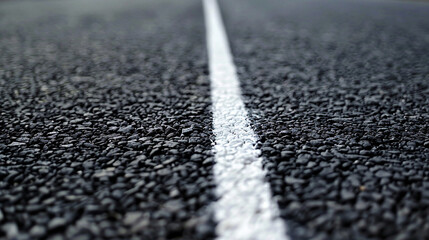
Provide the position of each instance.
(245, 209)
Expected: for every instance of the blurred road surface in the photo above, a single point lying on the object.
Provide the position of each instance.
(106, 116)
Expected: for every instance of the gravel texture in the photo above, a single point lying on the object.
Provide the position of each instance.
(105, 121)
(338, 92)
(105, 116)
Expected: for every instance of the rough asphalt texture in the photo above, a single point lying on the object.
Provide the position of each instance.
(105, 116)
(339, 94)
(105, 121)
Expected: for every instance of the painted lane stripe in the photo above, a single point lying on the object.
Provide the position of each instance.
(245, 209)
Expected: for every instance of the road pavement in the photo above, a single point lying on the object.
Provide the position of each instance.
(105, 120)
(106, 117)
(338, 93)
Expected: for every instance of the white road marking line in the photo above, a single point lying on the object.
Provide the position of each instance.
(245, 209)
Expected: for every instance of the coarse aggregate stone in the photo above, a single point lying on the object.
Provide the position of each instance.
(338, 92)
(105, 120)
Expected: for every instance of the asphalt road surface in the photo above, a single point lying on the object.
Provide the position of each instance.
(106, 117)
